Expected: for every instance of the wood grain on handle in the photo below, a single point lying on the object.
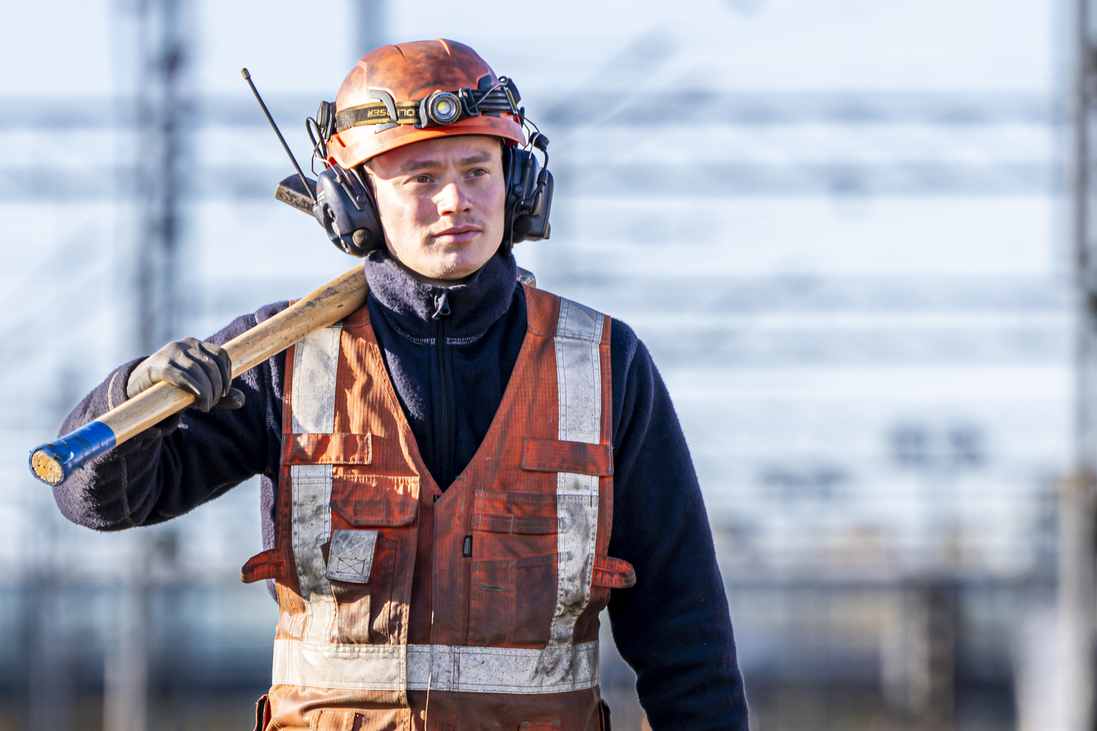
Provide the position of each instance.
(329, 304)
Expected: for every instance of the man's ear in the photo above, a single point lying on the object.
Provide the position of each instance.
(367, 177)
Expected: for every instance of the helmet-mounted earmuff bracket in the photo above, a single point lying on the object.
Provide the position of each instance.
(320, 129)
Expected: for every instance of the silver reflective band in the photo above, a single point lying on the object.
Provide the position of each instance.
(503, 669)
(579, 373)
(311, 527)
(315, 366)
(344, 667)
(460, 669)
(579, 385)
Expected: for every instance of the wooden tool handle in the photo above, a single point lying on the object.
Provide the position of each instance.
(337, 299)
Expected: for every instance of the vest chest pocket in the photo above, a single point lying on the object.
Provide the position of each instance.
(512, 580)
(371, 554)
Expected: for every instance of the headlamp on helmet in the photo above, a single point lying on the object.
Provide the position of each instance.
(441, 107)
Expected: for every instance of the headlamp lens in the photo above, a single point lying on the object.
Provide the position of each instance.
(444, 107)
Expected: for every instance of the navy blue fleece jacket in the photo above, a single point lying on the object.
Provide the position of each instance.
(451, 351)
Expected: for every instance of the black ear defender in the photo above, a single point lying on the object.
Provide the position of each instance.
(347, 211)
(343, 205)
(341, 202)
(529, 193)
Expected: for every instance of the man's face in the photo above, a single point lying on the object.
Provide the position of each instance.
(441, 203)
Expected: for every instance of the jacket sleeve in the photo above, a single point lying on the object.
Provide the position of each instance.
(182, 462)
(673, 626)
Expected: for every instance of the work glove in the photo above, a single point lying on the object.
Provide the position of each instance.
(203, 369)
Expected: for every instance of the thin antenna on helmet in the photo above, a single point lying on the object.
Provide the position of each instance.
(304, 180)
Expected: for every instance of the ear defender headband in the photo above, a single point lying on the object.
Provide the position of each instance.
(342, 202)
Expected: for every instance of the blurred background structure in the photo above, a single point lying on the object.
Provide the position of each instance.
(848, 231)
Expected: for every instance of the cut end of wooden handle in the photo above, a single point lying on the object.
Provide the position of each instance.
(52, 463)
(46, 467)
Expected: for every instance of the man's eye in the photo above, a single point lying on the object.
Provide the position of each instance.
(476, 173)
(422, 178)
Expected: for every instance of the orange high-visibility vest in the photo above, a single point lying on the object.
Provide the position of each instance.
(405, 607)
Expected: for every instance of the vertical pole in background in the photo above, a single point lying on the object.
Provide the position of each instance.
(1077, 550)
(370, 25)
(161, 110)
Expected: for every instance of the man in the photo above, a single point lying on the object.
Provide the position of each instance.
(459, 476)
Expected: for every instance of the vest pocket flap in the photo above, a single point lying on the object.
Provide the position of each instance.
(266, 565)
(552, 455)
(495, 511)
(513, 524)
(613, 573)
(375, 500)
(350, 555)
(327, 449)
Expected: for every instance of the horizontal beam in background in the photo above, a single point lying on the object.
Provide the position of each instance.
(798, 179)
(819, 294)
(592, 180)
(685, 106)
(662, 109)
(881, 347)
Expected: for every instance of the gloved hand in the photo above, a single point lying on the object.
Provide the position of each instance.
(204, 369)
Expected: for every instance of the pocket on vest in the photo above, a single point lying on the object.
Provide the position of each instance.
(372, 501)
(371, 553)
(365, 611)
(511, 601)
(512, 584)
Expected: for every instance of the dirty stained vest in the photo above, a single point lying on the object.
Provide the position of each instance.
(403, 607)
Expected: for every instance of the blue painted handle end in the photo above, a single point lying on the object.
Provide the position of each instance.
(52, 463)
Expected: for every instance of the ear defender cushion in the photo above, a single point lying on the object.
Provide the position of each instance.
(347, 211)
(522, 168)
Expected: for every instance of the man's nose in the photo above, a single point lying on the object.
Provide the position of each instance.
(453, 199)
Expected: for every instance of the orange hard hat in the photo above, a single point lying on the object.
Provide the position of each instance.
(406, 93)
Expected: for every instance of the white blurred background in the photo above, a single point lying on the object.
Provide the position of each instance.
(842, 228)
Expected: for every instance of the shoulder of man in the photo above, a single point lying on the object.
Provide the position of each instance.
(246, 322)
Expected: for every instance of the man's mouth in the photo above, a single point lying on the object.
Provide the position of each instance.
(457, 234)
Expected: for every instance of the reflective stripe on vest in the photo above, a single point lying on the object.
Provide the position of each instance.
(316, 359)
(579, 389)
(441, 667)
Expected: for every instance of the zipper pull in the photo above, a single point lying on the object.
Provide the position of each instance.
(441, 306)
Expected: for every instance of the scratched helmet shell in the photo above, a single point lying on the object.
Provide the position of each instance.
(406, 78)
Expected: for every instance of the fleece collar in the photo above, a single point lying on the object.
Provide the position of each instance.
(468, 308)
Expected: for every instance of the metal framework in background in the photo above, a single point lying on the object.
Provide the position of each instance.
(162, 109)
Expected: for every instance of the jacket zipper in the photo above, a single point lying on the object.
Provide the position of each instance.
(443, 441)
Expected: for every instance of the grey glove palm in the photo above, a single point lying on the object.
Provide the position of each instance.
(203, 369)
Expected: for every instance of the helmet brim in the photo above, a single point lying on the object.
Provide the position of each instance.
(354, 146)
